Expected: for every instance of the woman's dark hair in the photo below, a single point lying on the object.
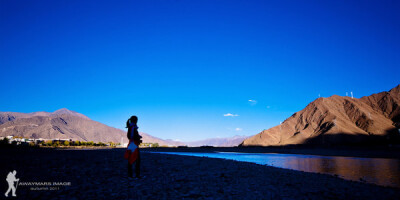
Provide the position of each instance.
(133, 119)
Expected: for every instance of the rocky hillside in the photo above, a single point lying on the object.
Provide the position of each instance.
(65, 124)
(338, 120)
(61, 124)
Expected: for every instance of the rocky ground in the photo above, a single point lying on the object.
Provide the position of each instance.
(102, 174)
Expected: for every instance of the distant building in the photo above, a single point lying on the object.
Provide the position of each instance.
(26, 141)
(61, 140)
(38, 141)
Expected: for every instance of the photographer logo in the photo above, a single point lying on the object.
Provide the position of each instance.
(11, 179)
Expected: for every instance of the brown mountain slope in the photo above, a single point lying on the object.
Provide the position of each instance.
(10, 116)
(338, 120)
(61, 124)
(65, 124)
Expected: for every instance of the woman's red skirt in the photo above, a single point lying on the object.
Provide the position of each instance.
(132, 152)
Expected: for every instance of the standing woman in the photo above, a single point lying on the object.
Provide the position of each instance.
(132, 153)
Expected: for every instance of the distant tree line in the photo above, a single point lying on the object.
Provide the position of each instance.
(57, 143)
(68, 143)
(77, 143)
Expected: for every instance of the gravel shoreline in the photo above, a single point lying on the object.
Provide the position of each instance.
(102, 174)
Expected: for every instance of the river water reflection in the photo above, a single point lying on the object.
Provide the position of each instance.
(380, 171)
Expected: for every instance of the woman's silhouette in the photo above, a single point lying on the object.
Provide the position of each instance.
(132, 153)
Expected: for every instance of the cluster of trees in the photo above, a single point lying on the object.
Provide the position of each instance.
(4, 142)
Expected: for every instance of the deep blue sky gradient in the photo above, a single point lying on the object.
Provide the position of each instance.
(181, 65)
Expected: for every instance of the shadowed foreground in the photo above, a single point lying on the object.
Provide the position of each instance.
(102, 174)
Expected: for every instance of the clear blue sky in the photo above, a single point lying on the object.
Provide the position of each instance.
(181, 65)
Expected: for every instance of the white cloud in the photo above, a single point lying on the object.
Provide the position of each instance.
(252, 102)
(238, 129)
(230, 115)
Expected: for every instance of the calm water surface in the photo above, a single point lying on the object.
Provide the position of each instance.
(380, 171)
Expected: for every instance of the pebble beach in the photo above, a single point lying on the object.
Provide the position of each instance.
(102, 174)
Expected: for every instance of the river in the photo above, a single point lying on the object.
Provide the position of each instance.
(380, 171)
